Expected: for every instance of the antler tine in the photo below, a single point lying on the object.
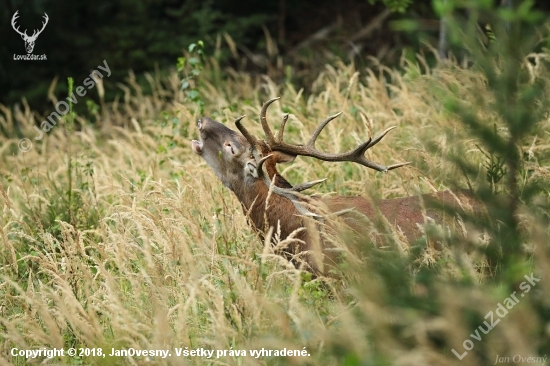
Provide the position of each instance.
(282, 129)
(315, 134)
(13, 19)
(377, 140)
(398, 165)
(380, 137)
(45, 16)
(307, 185)
(268, 133)
(261, 163)
(238, 122)
(357, 155)
(251, 139)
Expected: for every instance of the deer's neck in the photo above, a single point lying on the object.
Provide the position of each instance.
(260, 206)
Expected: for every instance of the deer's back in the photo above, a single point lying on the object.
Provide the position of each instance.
(405, 214)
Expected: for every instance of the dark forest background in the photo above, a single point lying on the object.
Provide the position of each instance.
(150, 35)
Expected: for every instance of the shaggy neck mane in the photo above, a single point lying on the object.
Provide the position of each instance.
(280, 213)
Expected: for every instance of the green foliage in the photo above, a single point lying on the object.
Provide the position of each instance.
(70, 200)
(495, 166)
(513, 100)
(399, 6)
(70, 118)
(191, 66)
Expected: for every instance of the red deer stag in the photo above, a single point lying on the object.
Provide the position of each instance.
(247, 166)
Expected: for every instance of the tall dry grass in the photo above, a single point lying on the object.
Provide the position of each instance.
(150, 251)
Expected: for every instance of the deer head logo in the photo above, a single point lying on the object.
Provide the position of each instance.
(29, 40)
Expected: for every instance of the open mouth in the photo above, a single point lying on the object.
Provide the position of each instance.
(196, 146)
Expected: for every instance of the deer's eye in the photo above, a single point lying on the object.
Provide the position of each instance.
(228, 144)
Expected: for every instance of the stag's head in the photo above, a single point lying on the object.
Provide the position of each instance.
(241, 160)
(29, 40)
(226, 151)
(236, 158)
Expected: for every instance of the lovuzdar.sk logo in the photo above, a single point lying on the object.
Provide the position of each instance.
(29, 40)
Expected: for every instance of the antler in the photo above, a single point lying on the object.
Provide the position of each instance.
(13, 19)
(46, 18)
(356, 155)
(24, 34)
(261, 160)
(36, 33)
(251, 139)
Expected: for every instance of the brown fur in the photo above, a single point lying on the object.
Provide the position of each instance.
(408, 213)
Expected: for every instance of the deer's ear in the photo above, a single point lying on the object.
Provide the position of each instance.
(284, 158)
